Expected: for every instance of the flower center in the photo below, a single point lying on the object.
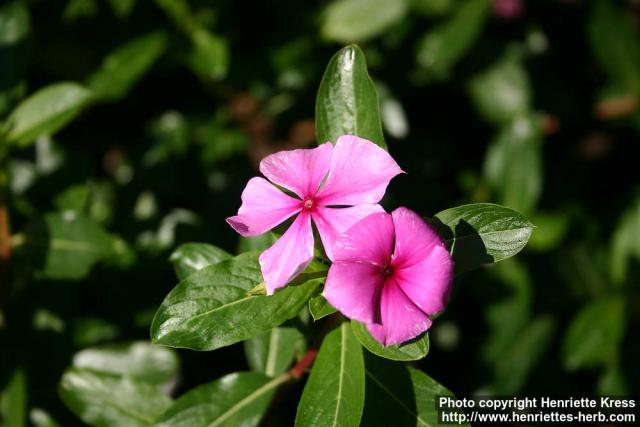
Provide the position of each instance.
(388, 271)
(307, 204)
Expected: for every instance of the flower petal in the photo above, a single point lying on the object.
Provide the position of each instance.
(360, 172)
(300, 171)
(332, 222)
(401, 319)
(289, 256)
(354, 289)
(263, 207)
(422, 265)
(369, 240)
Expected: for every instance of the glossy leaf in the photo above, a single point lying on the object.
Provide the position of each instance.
(122, 68)
(319, 307)
(347, 101)
(594, 335)
(272, 353)
(441, 48)
(212, 307)
(46, 111)
(235, 400)
(13, 400)
(138, 360)
(482, 233)
(191, 257)
(414, 350)
(513, 164)
(40, 418)
(349, 21)
(334, 393)
(502, 92)
(102, 400)
(400, 396)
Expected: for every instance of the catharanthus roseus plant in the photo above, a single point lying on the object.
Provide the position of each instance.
(389, 274)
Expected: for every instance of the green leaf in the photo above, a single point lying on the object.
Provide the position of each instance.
(349, 21)
(238, 399)
(272, 353)
(14, 22)
(625, 243)
(483, 233)
(517, 361)
(614, 42)
(102, 400)
(552, 228)
(502, 92)
(594, 335)
(72, 244)
(334, 393)
(513, 164)
(210, 55)
(212, 309)
(191, 257)
(46, 111)
(347, 101)
(13, 400)
(414, 350)
(138, 360)
(40, 418)
(400, 396)
(319, 307)
(122, 68)
(441, 48)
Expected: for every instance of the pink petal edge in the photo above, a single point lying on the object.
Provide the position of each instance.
(360, 172)
(301, 171)
(263, 207)
(289, 256)
(332, 222)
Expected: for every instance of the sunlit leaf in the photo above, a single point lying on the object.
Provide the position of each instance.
(272, 353)
(414, 350)
(351, 21)
(347, 101)
(334, 393)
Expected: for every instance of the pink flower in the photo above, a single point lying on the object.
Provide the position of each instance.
(326, 179)
(390, 272)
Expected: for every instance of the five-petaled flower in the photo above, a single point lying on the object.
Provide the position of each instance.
(334, 186)
(390, 272)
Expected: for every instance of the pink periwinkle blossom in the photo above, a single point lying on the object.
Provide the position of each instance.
(334, 187)
(391, 272)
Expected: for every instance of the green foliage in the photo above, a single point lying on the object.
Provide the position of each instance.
(442, 47)
(412, 350)
(219, 295)
(319, 307)
(349, 21)
(122, 68)
(13, 400)
(347, 101)
(272, 353)
(128, 130)
(400, 396)
(191, 257)
(594, 334)
(103, 400)
(46, 111)
(238, 399)
(482, 233)
(334, 393)
(138, 360)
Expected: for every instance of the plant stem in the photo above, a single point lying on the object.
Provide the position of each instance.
(303, 364)
(5, 234)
